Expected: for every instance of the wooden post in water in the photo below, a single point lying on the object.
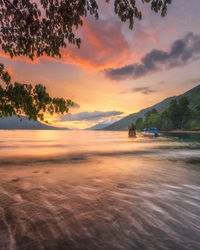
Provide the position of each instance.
(132, 130)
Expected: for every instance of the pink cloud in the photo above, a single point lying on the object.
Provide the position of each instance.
(103, 46)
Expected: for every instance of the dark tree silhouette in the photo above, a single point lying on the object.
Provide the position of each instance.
(18, 98)
(41, 27)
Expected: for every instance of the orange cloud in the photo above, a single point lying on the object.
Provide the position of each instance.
(103, 46)
(9, 70)
(142, 35)
(21, 58)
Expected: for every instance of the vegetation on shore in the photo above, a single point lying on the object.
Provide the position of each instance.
(193, 96)
(177, 116)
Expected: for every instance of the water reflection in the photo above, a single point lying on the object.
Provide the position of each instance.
(98, 190)
(192, 137)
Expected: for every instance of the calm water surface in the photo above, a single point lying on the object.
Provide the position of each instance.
(99, 190)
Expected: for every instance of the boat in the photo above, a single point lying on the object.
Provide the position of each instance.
(151, 132)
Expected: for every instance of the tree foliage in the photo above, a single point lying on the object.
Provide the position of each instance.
(139, 124)
(177, 115)
(195, 123)
(42, 27)
(24, 99)
(150, 113)
(179, 112)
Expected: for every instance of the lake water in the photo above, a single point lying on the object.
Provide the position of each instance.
(99, 190)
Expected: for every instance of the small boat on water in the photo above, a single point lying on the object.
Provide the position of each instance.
(151, 132)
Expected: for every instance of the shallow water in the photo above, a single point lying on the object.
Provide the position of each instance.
(99, 190)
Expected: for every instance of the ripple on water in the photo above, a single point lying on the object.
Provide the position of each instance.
(111, 193)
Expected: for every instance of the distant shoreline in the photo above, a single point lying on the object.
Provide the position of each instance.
(182, 131)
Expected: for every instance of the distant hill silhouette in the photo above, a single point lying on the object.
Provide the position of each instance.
(193, 96)
(99, 126)
(13, 122)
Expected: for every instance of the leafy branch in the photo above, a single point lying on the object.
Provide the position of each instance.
(24, 99)
(34, 29)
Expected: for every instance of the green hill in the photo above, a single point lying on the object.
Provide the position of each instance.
(193, 96)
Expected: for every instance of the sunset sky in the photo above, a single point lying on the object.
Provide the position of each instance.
(118, 71)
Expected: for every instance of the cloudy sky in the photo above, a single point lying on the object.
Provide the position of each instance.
(118, 71)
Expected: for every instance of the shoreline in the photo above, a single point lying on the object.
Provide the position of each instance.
(182, 131)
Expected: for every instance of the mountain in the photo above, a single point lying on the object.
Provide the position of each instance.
(98, 126)
(193, 96)
(13, 122)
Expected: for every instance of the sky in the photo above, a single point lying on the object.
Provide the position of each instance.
(118, 71)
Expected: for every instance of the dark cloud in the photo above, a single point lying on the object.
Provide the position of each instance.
(89, 116)
(182, 51)
(144, 90)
